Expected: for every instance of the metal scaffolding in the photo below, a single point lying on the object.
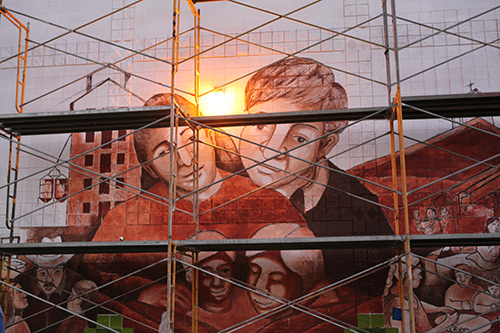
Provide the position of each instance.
(173, 116)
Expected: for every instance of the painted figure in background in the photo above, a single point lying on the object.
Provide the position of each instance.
(51, 280)
(83, 299)
(429, 318)
(213, 291)
(460, 295)
(433, 223)
(484, 261)
(285, 275)
(289, 275)
(17, 301)
(485, 302)
(221, 304)
(423, 310)
(332, 202)
(492, 225)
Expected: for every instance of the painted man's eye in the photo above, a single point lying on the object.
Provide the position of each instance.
(300, 139)
(260, 127)
(160, 152)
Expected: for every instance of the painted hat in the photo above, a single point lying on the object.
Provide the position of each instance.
(49, 260)
(309, 264)
(207, 235)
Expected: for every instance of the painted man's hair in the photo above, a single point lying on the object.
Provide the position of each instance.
(301, 81)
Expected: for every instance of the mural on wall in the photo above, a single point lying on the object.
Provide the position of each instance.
(300, 193)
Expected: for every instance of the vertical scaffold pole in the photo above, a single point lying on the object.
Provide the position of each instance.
(393, 156)
(402, 161)
(196, 129)
(195, 293)
(173, 165)
(196, 155)
(15, 140)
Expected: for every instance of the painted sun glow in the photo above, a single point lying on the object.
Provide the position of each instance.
(218, 103)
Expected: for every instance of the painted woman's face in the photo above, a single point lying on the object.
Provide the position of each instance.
(269, 273)
(494, 227)
(158, 149)
(213, 288)
(20, 298)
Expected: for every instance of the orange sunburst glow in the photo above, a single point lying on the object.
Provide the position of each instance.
(218, 103)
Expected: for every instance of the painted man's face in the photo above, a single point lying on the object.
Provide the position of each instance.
(269, 273)
(213, 288)
(431, 214)
(158, 149)
(49, 279)
(280, 138)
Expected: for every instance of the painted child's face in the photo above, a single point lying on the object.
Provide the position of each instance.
(269, 273)
(462, 278)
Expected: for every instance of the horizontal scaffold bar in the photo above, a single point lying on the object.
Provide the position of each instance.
(451, 106)
(252, 244)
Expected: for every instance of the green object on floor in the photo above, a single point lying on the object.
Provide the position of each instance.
(377, 320)
(111, 322)
(115, 321)
(364, 320)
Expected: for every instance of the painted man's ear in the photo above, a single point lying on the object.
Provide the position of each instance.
(327, 144)
(189, 276)
(212, 135)
(150, 170)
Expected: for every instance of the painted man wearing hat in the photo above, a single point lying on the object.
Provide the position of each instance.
(51, 280)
